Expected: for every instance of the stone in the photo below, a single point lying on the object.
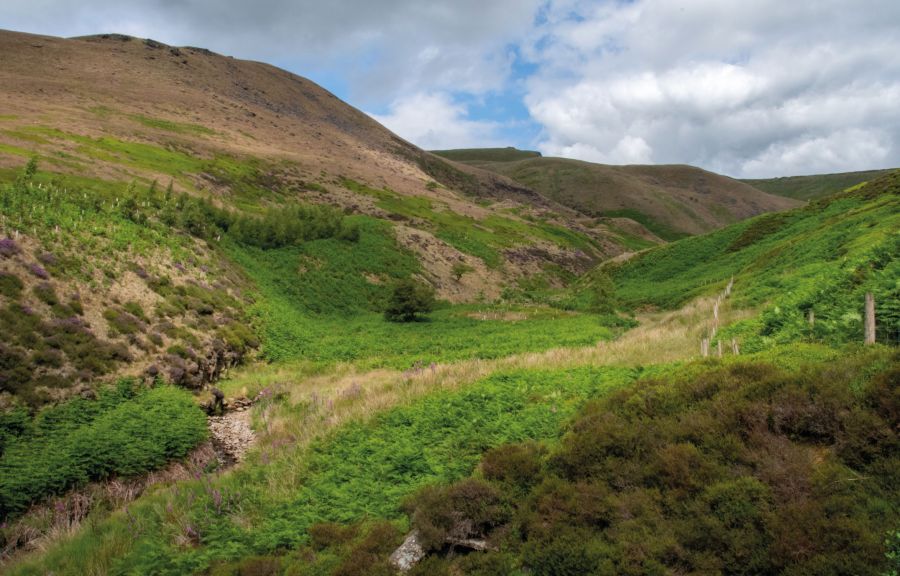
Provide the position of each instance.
(408, 554)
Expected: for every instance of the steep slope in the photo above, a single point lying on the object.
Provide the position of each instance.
(821, 258)
(108, 108)
(813, 187)
(672, 201)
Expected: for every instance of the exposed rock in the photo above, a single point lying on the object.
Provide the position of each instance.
(232, 435)
(408, 554)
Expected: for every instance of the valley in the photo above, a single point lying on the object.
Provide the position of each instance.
(190, 239)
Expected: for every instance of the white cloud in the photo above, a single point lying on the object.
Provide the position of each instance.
(434, 122)
(744, 88)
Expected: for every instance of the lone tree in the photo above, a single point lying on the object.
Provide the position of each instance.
(461, 268)
(603, 300)
(409, 298)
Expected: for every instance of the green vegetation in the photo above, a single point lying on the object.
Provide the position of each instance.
(48, 453)
(320, 307)
(734, 469)
(459, 269)
(603, 300)
(480, 238)
(408, 299)
(471, 156)
(821, 258)
(649, 223)
(358, 474)
(814, 187)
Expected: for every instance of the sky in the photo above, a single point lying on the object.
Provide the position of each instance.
(746, 88)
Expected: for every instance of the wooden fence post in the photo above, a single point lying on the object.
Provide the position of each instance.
(704, 347)
(734, 347)
(870, 318)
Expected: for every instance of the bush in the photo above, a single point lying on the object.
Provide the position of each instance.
(603, 298)
(10, 285)
(408, 299)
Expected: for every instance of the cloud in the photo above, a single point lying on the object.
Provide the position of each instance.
(744, 88)
(434, 122)
(385, 48)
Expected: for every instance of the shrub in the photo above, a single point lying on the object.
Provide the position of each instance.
(603, 297)
(8, 248)
(10, 285)
(408, 299)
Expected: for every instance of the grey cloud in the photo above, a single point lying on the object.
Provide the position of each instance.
(381, 48)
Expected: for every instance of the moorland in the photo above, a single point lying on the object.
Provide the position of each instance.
(182, 230)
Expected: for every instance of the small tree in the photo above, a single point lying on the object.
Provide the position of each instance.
(603, 299)
(431, 186)
(461, 268)
(31, 168)
(409, 298)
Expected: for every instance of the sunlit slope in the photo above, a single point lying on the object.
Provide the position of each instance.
(820, 258)
(815, 186)
(101, 110)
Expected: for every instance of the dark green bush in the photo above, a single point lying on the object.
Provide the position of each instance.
(10, 285)
(46, 294)
(408, 299)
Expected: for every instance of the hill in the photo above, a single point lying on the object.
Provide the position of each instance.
(104, 109)
(197, 377)
(477, 156)
(820, 258)
(813, 187)
(671, 201)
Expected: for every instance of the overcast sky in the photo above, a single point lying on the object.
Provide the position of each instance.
(747, 88)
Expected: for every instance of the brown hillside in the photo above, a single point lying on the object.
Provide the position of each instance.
(674, 199)
(303, 138)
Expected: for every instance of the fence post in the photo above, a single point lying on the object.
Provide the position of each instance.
(734, 346)
(812, 318)
(870, 318)
(704, 347)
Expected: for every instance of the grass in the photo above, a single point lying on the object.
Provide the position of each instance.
(486, 154)
(329, 439)
(649, 223)
(320, 308)
(469, 235)
(814, 187)
(821, 258)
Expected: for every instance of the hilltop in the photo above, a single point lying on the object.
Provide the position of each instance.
(814, 187)
(672, 201)
(101, 110)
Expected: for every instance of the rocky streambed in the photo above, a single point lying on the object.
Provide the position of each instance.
(232, 435)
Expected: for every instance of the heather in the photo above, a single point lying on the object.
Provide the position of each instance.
(741, 468)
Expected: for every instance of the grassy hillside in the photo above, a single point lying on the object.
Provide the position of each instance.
(821, 258)
(816, 186)
(671, 201)
(472, 156)
(513, 432)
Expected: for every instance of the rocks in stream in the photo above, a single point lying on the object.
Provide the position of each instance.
(232, 434)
